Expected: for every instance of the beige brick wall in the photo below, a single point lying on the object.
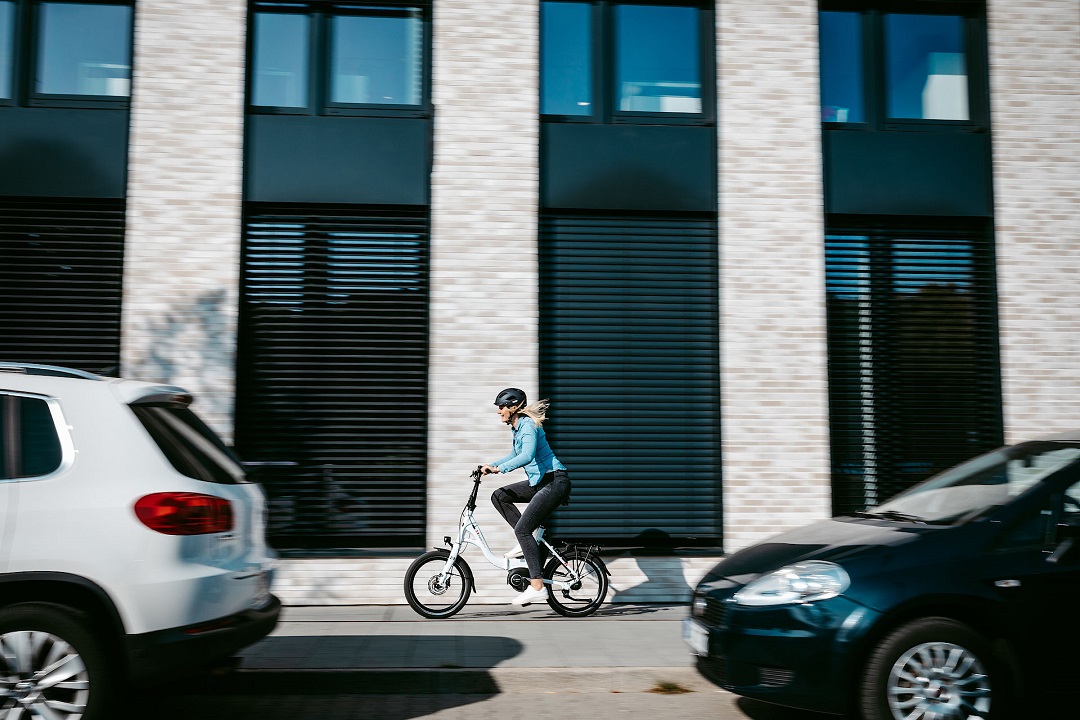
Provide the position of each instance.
(1035, 114)
(484, 272)
(181, 263)
(772, 306)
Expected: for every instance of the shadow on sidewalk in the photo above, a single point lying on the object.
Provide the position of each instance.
(334, 678)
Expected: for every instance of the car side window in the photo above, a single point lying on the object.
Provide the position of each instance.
(29, 442)
(1070, 500)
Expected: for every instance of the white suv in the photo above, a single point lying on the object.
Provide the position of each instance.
(131, 544)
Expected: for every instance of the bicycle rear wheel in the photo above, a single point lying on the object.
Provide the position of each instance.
(428, 595)
(576, 597)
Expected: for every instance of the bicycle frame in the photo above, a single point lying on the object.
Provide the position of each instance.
(469, 533)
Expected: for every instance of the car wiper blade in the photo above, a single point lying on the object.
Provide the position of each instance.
(890, 515)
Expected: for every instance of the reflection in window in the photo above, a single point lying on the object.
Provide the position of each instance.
(566, 58)
(7, 42)
(84, 50)
(841, 67)
(657, 61)
(926, 68)
(280, 60)
(376, 59)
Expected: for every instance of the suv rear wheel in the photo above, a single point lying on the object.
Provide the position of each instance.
(50, 665)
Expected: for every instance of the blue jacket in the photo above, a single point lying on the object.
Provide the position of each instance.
(531, 451)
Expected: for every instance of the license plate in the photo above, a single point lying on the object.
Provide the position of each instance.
(696, 636)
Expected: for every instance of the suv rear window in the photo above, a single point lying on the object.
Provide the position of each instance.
(189, 445)
(29, 443)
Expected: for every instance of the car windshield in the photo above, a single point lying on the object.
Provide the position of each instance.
(978, 485)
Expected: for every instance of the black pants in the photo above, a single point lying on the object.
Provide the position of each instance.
(542, 500)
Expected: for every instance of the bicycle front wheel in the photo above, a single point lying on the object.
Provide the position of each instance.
(578, 586)
(432, 596)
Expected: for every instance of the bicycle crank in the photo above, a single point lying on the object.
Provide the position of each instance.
(518, 579)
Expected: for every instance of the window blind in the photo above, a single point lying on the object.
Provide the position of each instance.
(333, 362)
(629, 358)
(914, 379)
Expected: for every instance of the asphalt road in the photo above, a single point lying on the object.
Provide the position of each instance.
(322, 697)
(599, 704)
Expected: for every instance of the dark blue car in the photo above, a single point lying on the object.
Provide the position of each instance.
(958, 598)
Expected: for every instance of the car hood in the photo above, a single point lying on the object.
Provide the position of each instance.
(837, 539)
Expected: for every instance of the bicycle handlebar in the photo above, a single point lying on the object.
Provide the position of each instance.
(476, 475)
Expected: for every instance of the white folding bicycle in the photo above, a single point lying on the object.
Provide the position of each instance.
(439, 582)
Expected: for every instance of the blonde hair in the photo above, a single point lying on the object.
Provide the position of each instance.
(537, 411)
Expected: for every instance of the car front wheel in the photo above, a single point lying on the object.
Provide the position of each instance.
(50, 665)
(932, 668)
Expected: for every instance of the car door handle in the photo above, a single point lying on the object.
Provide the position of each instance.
(1007, 583)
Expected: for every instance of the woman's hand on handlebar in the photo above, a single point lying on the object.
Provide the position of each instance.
(488, 470)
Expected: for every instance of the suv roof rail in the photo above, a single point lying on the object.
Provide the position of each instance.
(47, 370)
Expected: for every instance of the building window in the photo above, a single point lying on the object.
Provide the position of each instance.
(340, 59)
(925, 67)
(902, 65)
(333, 312)
(7, 46)
(629, 356)
(626, 62)
(914, 379)
(282, 46)
(67, 54)
(83, 50)
(566, 75)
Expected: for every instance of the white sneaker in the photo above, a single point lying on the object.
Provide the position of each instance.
(530, 595)
(514, 552)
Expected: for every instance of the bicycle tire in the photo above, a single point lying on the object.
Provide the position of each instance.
(590, 592)
(425, 570)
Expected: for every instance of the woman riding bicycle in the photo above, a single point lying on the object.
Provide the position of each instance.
(546, 487)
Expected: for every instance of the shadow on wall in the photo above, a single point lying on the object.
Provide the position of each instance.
(664, 581)
(193, 342)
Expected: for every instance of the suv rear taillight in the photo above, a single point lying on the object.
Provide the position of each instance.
(181, 513)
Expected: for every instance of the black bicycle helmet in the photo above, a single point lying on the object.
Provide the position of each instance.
(512, 398)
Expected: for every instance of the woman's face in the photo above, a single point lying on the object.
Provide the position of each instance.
(505, 413)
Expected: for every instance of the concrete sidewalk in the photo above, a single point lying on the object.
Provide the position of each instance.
(488, 648)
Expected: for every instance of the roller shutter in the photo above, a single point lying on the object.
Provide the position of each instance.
(629, 358)
(914, 379)
(333, 372)
(61, 271)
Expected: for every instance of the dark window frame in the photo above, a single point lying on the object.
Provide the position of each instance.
(875, 86)
(26, 43)
(322, 14)
(603, 64)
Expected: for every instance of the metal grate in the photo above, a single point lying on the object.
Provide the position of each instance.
(914, 382)
(61, 271)
(333, 372)
(629, 358)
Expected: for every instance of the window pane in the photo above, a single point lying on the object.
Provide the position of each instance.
(926, 68)
(7, 40)
(566, 73)
(841, 67)
(658, 59)
(39, 443)
(84, 50)
(377, 59)
(280, 60)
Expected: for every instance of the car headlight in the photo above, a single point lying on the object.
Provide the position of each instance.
(698, 605)
(793, 584)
